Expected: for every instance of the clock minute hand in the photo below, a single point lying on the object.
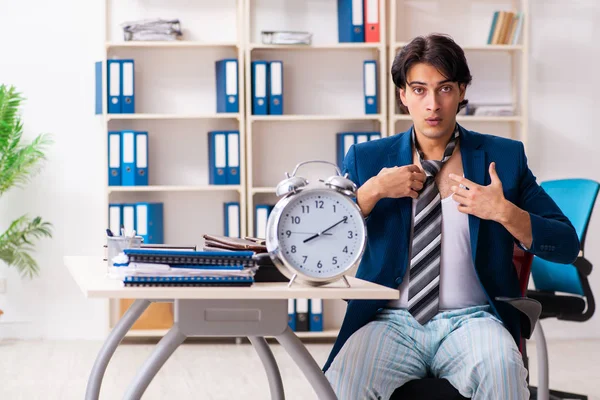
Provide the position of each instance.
(307, 233)
(325, 230)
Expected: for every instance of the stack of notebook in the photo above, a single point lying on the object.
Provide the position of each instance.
(188, 268)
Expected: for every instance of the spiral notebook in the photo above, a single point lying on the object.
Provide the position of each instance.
(148, 267)
(191, 258)
(184, 281)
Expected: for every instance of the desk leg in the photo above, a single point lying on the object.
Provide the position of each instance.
(268, 360)
(117, 334)
(163, 350)
(307, 364)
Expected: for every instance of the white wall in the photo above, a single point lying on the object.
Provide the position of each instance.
(564, 140)
(48, 53)
(49, 50)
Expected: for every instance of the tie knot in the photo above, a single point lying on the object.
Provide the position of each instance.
(432, 167)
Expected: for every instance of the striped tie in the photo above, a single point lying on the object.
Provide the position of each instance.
(424, 276)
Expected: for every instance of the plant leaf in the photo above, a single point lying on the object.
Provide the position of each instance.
(19, 162)
(16, 243)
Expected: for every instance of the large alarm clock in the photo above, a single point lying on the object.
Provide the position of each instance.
(316, 235)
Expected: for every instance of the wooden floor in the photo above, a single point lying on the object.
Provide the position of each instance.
(216, 370)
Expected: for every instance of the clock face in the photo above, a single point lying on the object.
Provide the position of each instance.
(321, 233)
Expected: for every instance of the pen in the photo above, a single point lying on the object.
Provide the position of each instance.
(109, 232)
(131, 239)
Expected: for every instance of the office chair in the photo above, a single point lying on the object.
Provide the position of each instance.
(576, 199)
(440, 389)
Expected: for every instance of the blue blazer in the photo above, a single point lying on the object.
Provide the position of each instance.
(388, 225)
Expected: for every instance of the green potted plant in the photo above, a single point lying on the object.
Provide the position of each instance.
(19, 162)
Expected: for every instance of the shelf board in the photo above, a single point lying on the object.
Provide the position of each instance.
(172, 116)
(472, 118)
(332, 46)
(263, 190)
(315, 117)
(484, 47)
(175, 188)
(158, 333)
(170, 44)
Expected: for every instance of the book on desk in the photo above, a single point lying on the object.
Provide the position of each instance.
(151, 267)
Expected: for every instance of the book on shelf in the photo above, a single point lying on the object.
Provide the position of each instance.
(344, 140)
(226, 75)
(261, 216)
(231, 219)
(506, 28)
(224, 157)
(145, 218)
(305, 315)
(128, 158)
(120, 87)
(267, 87)
(358, 21)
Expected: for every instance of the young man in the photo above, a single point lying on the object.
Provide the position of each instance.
(444, 208)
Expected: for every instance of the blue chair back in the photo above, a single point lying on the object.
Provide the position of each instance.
(575, 198)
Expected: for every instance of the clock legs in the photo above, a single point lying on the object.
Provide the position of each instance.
(346, 281)
(295, 275)
(292, 280)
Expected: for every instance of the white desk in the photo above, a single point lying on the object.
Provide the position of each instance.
(253, 312)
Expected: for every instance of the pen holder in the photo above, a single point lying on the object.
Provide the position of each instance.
(116, 244)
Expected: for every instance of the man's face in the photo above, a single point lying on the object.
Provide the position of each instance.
(432, 100)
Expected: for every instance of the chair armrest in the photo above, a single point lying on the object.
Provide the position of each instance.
(530, 312)
(583, 266)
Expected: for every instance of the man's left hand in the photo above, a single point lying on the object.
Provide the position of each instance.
(485, 202)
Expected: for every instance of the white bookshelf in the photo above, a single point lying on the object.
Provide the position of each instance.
(256, 190)
(175, 98)
(322, 96)
(175, 188)
(468, 22)
(173, 44)
(486, 47)
(328, 47)
(466, 118)
(316, 117)
(308, 131)
(142, 116)
(330, 54)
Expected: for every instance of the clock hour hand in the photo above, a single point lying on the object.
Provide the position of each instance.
(325, 230)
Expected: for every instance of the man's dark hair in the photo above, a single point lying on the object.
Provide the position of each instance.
(437, 50)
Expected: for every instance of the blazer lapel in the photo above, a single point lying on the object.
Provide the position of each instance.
(401, 154)
(473, 159)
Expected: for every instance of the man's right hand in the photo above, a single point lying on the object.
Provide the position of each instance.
(393, 182)
(398, 182)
